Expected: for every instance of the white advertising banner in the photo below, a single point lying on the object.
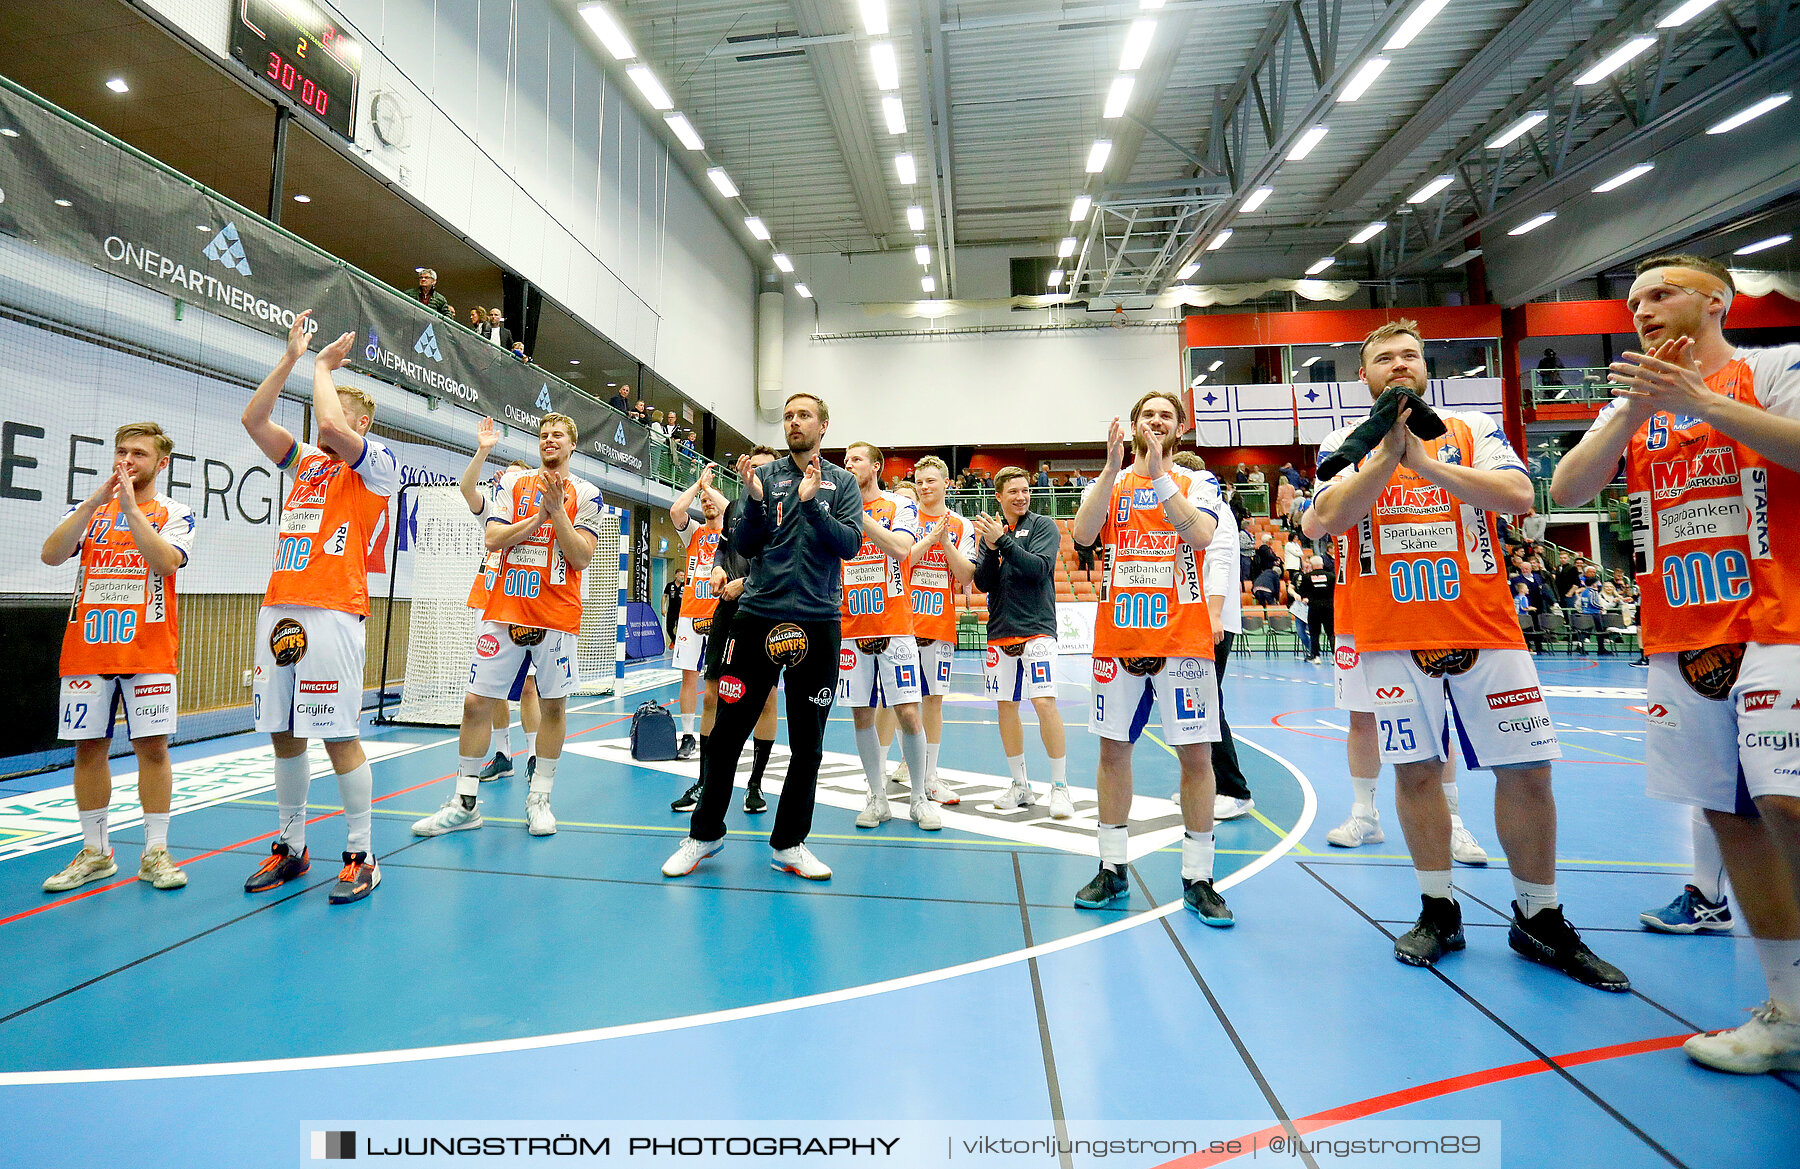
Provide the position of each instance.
(1075, 626)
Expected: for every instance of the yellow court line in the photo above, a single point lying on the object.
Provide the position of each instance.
(1598, 751)
(1260, 818)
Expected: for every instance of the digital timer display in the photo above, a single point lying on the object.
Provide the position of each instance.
(300, 49)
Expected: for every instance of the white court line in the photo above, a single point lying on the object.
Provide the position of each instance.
(682, 1022)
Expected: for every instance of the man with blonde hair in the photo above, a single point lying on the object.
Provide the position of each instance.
(309, 634)
(120, 648)
(941, 565)
(478, 499)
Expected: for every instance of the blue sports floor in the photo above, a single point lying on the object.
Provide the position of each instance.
(936, 979)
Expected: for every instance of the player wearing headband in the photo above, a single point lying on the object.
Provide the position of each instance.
(1710, 438)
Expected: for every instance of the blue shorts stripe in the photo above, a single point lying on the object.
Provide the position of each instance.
(1140, 718)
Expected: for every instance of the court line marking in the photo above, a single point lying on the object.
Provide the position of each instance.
(682, 1022)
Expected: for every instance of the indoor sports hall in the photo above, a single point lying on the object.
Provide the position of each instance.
(613, 242)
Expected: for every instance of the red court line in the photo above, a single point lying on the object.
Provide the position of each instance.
(132, 880)
(1311, 734)
(1413, 1095)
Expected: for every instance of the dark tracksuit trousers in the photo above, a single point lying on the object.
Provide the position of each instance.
(1227, 775)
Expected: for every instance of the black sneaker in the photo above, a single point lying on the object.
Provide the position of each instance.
(688, 800)
(1437, 932)
(1208, 906)
(530, 766)
(1107, 887)
(687, 748)
(499, 765)
(1547, 937)
(753, 800)
(356, 880)
(281, 867)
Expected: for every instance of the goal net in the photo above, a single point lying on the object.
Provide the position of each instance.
(447, 552)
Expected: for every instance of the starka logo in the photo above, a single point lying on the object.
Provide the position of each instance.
(227, 249)
(543, 398)
(427, 344)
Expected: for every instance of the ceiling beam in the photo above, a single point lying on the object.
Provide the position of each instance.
(840, 86)
(1146, 93)
(932, 59)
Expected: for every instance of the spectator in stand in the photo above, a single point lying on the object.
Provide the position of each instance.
(1266, 584)
(1533, 526)
(518, 351)
(1256, 478)
(1264, 558)
(621, 400)
(1295, 509)
(1043, 476)
(495, 329)
(1293, 477)
(477, 318)
(659, 429)
(1238, 478)
(1550, 369)
(1568, 578)
(1543, 593)
(687, 443)
(1522, 597)
(1293, 560)
(1246, 552)
(428, 295)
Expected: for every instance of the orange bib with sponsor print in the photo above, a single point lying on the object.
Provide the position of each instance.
(1704, 513)
(484, 581)
(123, 618)
(875, 600)
(321, 554)
(1350, 572)
(534, 585)
(930, 584)
(1437, 579)
(697, 599)
(1155, 603)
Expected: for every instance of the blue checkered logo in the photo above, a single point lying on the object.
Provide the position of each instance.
(227, 249)
(1188, 704)
(427, 344)
(1040, 672)
(543, 398)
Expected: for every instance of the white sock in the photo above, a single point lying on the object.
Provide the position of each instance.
(468, 772)
(356, 788)
(687, 724)
(1113, 839)
(293, 778)
(912, 749)
(1709, 866)
(1450, 797)
(544, 778)
(506, 739)
(531, 743)
(93, 830)
(1365, 797)
(1016, 765)
(1532, 898)
(1059, 775)
(1434, 883)
(1197, 856)
(931, 754)
(1781, 966)
(156, 830)
(874, 760)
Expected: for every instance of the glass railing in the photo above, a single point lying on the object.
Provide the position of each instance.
(1063, 502)
(1610, 500)
(1568, 386)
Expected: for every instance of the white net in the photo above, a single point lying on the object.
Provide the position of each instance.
(597, 653)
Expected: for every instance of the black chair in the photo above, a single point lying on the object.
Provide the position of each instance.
(1612, 630)
(1580, 626)
(1253, 626)
(1551, 628)
(1534, 640)
(1281, 622)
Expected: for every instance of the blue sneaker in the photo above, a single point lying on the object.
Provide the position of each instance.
(1689, 913)
(1106, 888)
(1204, 901)
(496, 767)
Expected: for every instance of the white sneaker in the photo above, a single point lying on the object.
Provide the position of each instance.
(452, 817)
(1769, 1042)
(1175, 797)
(1019, 795)
(539, 820)
(159, 868)
(1061, 806)
(688, 857)
(925, 815)
(88, 865)
(936, 789)
(875, 812)
(1463, 846)
(800, 861)
(900, 773)
(1357, 830)
(1230, 807)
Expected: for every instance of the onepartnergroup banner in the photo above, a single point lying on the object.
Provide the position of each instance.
(991, 1144)
(72, 191)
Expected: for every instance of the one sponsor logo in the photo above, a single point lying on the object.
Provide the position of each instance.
(1772, 740)
(1760, 700)
(1450, 453)
(318, 687)
(1440, 662)
(1347, 659)
(526, 635)
(1511, 698)
(227, 249)
(846, 658)
(80, 684)
(731, 689)
(543, 398)
(873, 645)
(823, 697)
(1105, 669)
(157, 711)
(487, 646)
(427, 344)
(1392, 696)
(287, 641)
(786, 644)
(1525, 724)
(1713, 671)
(153, 688)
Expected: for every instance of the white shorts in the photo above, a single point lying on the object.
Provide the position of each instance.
(1489, 699)
(1718, 742)
(1350, 686)
(1186, 689)
(690, 644)
(888, 678)
(935, 662)
(501, 662)
(90, 703)
(309, 672)
(1028, 671)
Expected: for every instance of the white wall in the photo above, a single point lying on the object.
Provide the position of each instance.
(519, 139)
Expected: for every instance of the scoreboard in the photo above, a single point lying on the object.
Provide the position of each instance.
(301, 49)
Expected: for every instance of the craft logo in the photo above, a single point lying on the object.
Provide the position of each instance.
(731, 689)
(318, 687)
(1105, 669)
(543, 398)
(1512, 698)
(334, 1146)
(427, 344)
(1753, 700)
(153, 689)
(227, 249)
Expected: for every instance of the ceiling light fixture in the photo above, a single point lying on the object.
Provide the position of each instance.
(1773, 101)
(1762, 245)
(1414, 24)
(922, 254)
(574, 361)
(606, 26)
(303, 198)
(1066, 248)
(1429, 190)
(915, 218)
(1187, 270)
(1616, 60)
(1117, 98)
(685, 131)
(757, 227)
(1532, 224)
(1257, 198)
(887, 68)
(874, 17)
(1218, 241)
(783, 263)
(1313, 136)
(928, 283)
(1476, 370)
(903, 166)
(1097, 155)
(1459, 261)
(9, 131)
(722, 181)
(894, 110)
(803, 290)
(1308, 363)
(1137, 44)
(62, 203)
(117, 85)
(1625, 176)
(650, 87)
(1078, 210)
(1517, 130)
(1321, 264)
(1364, 78)
(1214, 367)
(1685, 13)
(1368, 233)
(1055, 278)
